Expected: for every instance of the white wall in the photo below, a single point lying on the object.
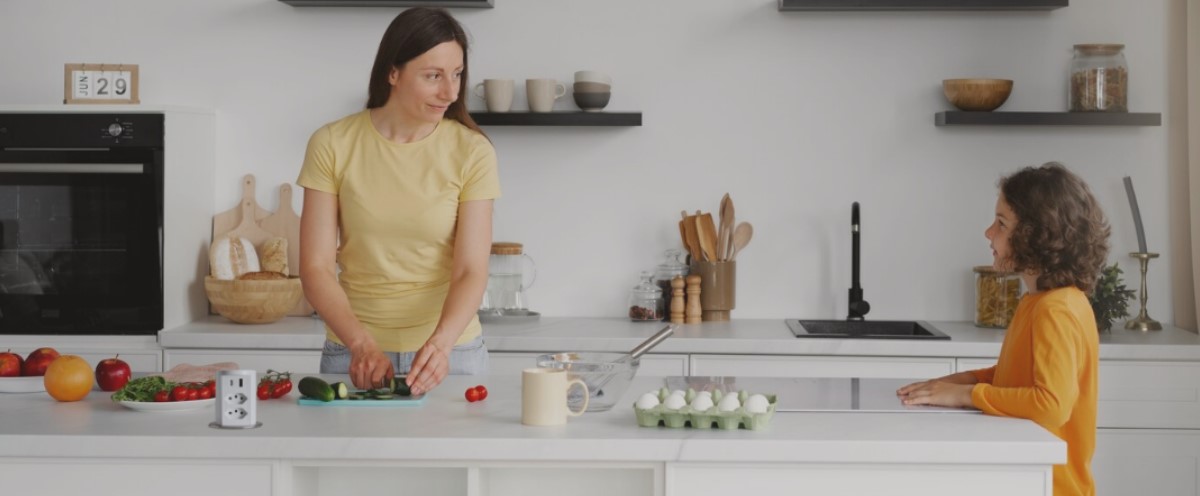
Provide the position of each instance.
(796, 115)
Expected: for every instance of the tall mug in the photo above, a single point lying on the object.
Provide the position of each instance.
(542, 93)
(544, 397)
(497, 93)
(718, 288)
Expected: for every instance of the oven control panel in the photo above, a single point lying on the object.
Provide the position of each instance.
(80, 130)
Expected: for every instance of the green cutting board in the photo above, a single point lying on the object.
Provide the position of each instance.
(398, 401)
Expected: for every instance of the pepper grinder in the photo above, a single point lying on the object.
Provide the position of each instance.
(677, 305)
(693, 312)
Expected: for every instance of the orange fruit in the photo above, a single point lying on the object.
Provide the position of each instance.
(69, 378)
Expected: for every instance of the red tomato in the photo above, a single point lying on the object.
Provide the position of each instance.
(205, 393)
(264, 391)
(162, 396)
(210, 389)
(282, 388)
(472, 395)
(180, 393)
(482, 391)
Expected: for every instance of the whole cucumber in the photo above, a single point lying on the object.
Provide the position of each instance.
(316, 388)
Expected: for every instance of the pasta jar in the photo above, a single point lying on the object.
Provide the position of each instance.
(1099, 79)
(996, 296)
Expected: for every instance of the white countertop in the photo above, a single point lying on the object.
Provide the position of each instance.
(743, 336)
(446, 427)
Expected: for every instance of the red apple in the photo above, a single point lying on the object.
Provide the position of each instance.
(10, 364)
(112, 373)
(37, 361)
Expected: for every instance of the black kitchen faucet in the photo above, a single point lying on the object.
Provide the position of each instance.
(858, 306)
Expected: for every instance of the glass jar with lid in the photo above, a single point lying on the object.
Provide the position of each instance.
(1099, 78)
(646, 300)
(671, 267)
(996, 296)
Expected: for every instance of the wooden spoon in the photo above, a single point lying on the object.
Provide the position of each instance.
(707, 233)
(725, 234)
(741, 237)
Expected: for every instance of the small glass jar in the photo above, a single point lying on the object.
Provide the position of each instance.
(996, 296)
(1099, 79)
(671, 267)
(646, 300)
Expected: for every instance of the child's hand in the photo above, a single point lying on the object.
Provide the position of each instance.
(936, 393)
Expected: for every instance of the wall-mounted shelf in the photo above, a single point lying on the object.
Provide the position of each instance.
(831, 5)
(957, 118)
(472, 4)
(557, 118)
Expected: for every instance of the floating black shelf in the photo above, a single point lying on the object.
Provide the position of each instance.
(473, 4)
(957, 118)
(558, 118)
(831, 5)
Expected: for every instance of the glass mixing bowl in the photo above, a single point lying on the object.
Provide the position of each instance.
(606, 378)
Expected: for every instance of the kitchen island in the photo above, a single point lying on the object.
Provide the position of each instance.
(449, 446)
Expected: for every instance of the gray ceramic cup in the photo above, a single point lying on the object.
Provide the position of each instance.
(542, 93)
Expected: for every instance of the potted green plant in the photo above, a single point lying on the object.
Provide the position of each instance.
(1110, 299)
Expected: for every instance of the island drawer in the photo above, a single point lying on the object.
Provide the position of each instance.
(821, 366)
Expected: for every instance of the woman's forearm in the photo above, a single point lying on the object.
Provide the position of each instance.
(462, 303)
(961, 378)
(329, 299)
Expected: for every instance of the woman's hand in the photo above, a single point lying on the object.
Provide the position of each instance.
(430, 366)
(369, 367)
(936, 393)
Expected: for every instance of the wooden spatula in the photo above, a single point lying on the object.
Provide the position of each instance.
(693, 240)
(707, 233)
(724, 247)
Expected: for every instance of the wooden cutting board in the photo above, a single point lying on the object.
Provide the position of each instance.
(248, 228)
(286, 224)
(417, 400)
(228, 220)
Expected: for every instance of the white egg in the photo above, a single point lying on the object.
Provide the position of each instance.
(729, 403)
(705, 393)
(702, 403)
(647, 401)
(675, 402)
(757, 403)
(677, 392)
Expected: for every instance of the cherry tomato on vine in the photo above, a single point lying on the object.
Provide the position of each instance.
(162, 396)
(472, 395)
(482, 392)
(265, 390)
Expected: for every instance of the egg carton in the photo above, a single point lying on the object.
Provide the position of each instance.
(711, 418)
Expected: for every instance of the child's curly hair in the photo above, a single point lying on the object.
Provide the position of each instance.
(1061, 232)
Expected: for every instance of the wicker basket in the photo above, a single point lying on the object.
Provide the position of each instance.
(253, 301)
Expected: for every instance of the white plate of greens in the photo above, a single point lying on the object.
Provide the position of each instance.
(168, 406)
(138, 394)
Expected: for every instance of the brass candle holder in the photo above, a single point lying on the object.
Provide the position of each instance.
(1143, 322)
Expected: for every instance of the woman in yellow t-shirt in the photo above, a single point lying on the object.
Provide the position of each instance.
(1049, 229)
(397, 222)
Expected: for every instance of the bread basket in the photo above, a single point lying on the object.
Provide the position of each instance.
(253, 301)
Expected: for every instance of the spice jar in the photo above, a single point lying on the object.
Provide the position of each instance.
(1099, 79)
(646, 300)
(996, 296)
(671, 267)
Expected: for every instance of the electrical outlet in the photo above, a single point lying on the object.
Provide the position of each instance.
(237, 404)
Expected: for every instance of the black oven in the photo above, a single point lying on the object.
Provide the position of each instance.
(81, 223)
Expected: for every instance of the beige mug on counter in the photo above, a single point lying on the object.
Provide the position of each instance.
(544, 397)
(497, 93)
(542, 93)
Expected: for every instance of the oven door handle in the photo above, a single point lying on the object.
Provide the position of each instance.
(66, 168)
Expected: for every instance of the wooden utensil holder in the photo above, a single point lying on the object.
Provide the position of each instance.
(718, 284)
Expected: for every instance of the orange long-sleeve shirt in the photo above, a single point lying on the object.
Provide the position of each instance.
(1047, 373)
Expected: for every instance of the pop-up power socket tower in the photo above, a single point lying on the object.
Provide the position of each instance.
(237, 404)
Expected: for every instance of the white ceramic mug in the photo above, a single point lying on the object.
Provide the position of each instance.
(542, 93)
(544, 397)
(497, 93)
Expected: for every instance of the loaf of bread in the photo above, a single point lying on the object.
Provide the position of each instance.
(273, 255)
(264, 275)
(231, 257)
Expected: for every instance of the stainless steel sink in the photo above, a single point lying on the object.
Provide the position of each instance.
(864, 329)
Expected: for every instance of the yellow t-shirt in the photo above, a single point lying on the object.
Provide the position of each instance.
(397, 211)
(1047, 373)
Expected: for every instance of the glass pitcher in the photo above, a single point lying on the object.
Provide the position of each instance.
(510, 273)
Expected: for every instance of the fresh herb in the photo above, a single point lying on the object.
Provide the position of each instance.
(142, 389)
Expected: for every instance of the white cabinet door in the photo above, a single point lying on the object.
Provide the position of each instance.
(306, 362)
(1146, 462)
(820, 366)
(652, 364)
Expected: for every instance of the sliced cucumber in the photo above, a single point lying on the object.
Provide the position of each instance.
(400, 386)
(340, 391)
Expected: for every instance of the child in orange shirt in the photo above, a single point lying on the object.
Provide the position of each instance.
(1050, 230)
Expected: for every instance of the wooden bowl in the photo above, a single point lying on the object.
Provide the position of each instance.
(977, 94)
(253, 301)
